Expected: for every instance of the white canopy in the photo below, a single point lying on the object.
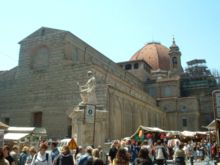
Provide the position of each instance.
(212, 125)
(188, 133)
(150, 129)
(20, 129)
(15, 136)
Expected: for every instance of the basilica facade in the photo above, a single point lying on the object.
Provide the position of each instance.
(150, 89)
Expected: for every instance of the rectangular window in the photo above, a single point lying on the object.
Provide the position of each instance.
(128, 66)
(152, 91)
(37, 119)
(184, 122)
(7, 120)
(167, 91)
(69, 131)
(136, 66)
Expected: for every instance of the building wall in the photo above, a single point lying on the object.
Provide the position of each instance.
(179, 109)
(51, 62)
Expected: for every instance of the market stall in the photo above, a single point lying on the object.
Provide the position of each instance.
(153, 133)
(3, 125)
(27, 135)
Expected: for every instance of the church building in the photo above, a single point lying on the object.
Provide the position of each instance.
(150, 89)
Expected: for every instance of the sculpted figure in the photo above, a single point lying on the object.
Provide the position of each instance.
(87, 91)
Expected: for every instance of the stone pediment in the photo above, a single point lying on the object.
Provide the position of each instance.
(41, 32)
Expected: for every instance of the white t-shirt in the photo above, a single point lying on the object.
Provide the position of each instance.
(39, 159)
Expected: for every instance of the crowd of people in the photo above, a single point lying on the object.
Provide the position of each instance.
(160, 152)
(124, 152)
(30, 155)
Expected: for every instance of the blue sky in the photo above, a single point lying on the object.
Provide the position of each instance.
(116, 28)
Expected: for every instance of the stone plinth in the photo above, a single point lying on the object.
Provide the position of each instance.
(89, 133)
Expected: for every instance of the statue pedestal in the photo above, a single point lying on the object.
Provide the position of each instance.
(89, 133)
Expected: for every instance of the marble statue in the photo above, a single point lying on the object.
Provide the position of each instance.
(87, 91)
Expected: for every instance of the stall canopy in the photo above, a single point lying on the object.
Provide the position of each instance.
(147, 129)
(15, 136)
(17, 133)
(3, 125)
(188, 133)
(213, 124)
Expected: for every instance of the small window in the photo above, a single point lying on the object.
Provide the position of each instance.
(128, 66)
(7, 120)
(152, 91)
(37, 119)
(136, 66)
(167, 91)
(184, 122)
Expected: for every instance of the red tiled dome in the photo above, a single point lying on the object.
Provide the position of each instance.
(155, 54)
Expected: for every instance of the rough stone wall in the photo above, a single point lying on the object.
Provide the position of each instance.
(51, 62)
(178, 109)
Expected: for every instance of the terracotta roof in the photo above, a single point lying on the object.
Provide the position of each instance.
(155, 54)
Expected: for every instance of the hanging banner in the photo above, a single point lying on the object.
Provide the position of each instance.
(90, 113)
(217, 96)
(1, 138)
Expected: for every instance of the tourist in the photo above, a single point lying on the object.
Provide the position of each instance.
(3, 161)
(98, 162)
(95, 154)
(179, 156)
(65, 158)
(122, 157)
(78, 153)
(102, 154)
(143, 157)
(42, 158)
(55, 152)
(6, 151)
(113, 151)
(15, 154)
(87, 157)
(160, 153)
(24, 155)
(32, 152)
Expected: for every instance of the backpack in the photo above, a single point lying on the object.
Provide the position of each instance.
(159, 153)
(84, 160)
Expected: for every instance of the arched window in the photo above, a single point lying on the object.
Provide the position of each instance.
(174, 60)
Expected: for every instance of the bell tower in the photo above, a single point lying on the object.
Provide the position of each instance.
(175, 59)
